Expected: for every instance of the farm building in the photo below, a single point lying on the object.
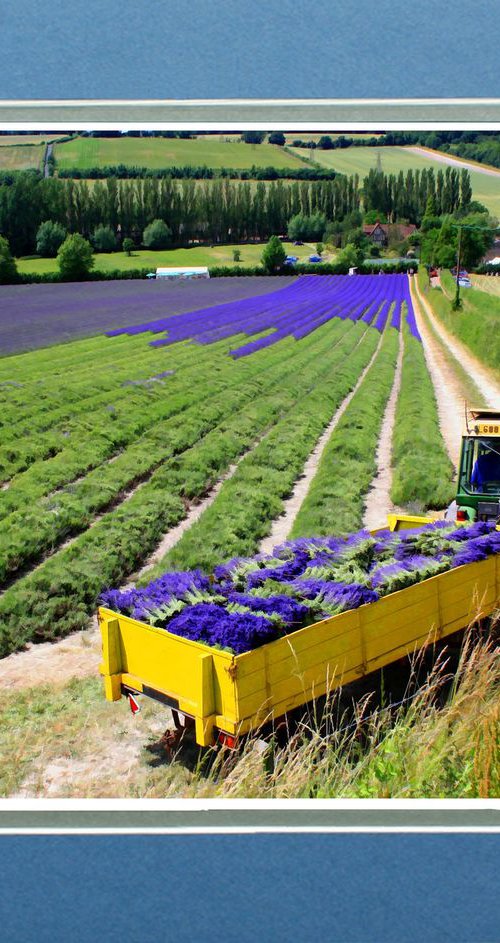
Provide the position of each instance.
(200, 271)
(492, 254)
(380, 233)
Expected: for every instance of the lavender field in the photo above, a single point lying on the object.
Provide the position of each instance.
(295, 310)
(33, 316)
(110, 445)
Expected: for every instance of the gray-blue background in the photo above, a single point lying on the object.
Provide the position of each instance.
(241, 888)
(248, 48)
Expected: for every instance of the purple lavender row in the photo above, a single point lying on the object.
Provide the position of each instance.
(296, 310)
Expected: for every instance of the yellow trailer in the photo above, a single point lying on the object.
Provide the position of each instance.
(230, 695)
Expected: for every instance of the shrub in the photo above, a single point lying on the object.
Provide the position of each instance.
(157, 235)
(273, 255)
(301, 226)
(277, 137)
(8, 268)
(49, 238)
(104, 239)
(75, 258)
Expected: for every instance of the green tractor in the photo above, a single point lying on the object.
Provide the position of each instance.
(478, 486)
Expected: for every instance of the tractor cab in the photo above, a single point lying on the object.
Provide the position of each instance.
(478, 489)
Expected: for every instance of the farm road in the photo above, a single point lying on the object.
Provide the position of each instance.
(77, 656)
(452, 161)
(46, 157)
(487, 383)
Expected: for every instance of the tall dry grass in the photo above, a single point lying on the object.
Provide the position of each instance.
(441, 741)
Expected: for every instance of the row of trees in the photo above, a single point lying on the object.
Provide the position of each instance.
(190, 172)
(216, 211)
(405, 196)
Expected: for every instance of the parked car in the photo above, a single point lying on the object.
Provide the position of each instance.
(298, 243)
(315, 258)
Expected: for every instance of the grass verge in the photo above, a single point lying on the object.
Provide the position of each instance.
(476, 324)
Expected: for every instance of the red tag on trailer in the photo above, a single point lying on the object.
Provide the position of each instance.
(134, 704)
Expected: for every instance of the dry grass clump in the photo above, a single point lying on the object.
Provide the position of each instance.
(443, 741)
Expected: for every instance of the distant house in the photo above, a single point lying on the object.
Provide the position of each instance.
(379, 233)
(492, 254)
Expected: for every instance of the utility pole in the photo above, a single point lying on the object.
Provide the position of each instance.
(457, 304)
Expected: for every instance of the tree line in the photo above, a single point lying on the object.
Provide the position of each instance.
(437, 140)
(405, 196)
(218, 210)
(130, 172)
(211, 211)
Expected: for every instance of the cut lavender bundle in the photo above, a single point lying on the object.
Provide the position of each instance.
(249, 601)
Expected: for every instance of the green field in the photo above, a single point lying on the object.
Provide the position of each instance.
(159, 153)
(73, 407)
(21, 157)
(144, 258)
(360, 160)
(487, 283)
(7, 140)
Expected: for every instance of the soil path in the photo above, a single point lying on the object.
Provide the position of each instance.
(283, 524)
(76, 656)
(449, 394)
(378, 499)
(48, 154)
(487, 383)
(452, 161)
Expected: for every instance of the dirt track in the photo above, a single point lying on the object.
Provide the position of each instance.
(452, 161)
(378, 499)
(76, 656)
(487, 383)
(449, 394)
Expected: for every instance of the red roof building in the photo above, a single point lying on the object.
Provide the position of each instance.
(379, 233)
